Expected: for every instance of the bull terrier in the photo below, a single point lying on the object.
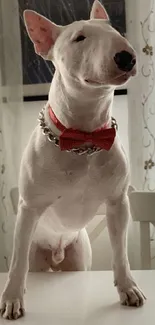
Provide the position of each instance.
(74, 161)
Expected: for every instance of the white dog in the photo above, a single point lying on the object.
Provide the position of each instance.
(77, 163)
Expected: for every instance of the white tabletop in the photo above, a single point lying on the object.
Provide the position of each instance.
(83, 298)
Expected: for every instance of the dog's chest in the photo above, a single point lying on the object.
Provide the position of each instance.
(78, 179)
(76, 192)
(76, 186)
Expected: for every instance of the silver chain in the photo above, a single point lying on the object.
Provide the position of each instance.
(55, 139)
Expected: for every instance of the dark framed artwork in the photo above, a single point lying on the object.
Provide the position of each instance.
(37, 73)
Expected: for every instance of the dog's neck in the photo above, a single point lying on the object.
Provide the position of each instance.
(80, 107)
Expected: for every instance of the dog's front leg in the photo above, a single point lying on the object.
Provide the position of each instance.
(117, 219)
(11, 306)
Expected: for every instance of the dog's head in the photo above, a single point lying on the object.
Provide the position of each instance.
(90, 52)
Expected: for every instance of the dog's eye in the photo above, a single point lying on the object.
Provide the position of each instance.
(80, 38)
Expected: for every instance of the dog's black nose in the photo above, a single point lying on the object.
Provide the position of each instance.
(125, 61)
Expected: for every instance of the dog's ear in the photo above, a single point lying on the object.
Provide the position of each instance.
(98, 11)
(42, 32)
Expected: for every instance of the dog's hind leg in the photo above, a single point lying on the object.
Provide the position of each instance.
(39, 259)
(78, 255)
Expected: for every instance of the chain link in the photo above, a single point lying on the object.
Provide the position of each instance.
(55, 139)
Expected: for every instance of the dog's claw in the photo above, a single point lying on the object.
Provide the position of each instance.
(131, 297)
(12, 309)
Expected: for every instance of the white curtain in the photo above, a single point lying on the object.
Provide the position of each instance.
(140, 19)
(10, 120)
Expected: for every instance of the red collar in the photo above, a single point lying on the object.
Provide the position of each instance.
(72, 138)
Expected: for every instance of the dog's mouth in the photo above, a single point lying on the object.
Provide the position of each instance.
(123, 77)
(118, 79)
(93, 82)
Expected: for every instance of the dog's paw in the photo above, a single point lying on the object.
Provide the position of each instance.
(131, 296)
(12, 309)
